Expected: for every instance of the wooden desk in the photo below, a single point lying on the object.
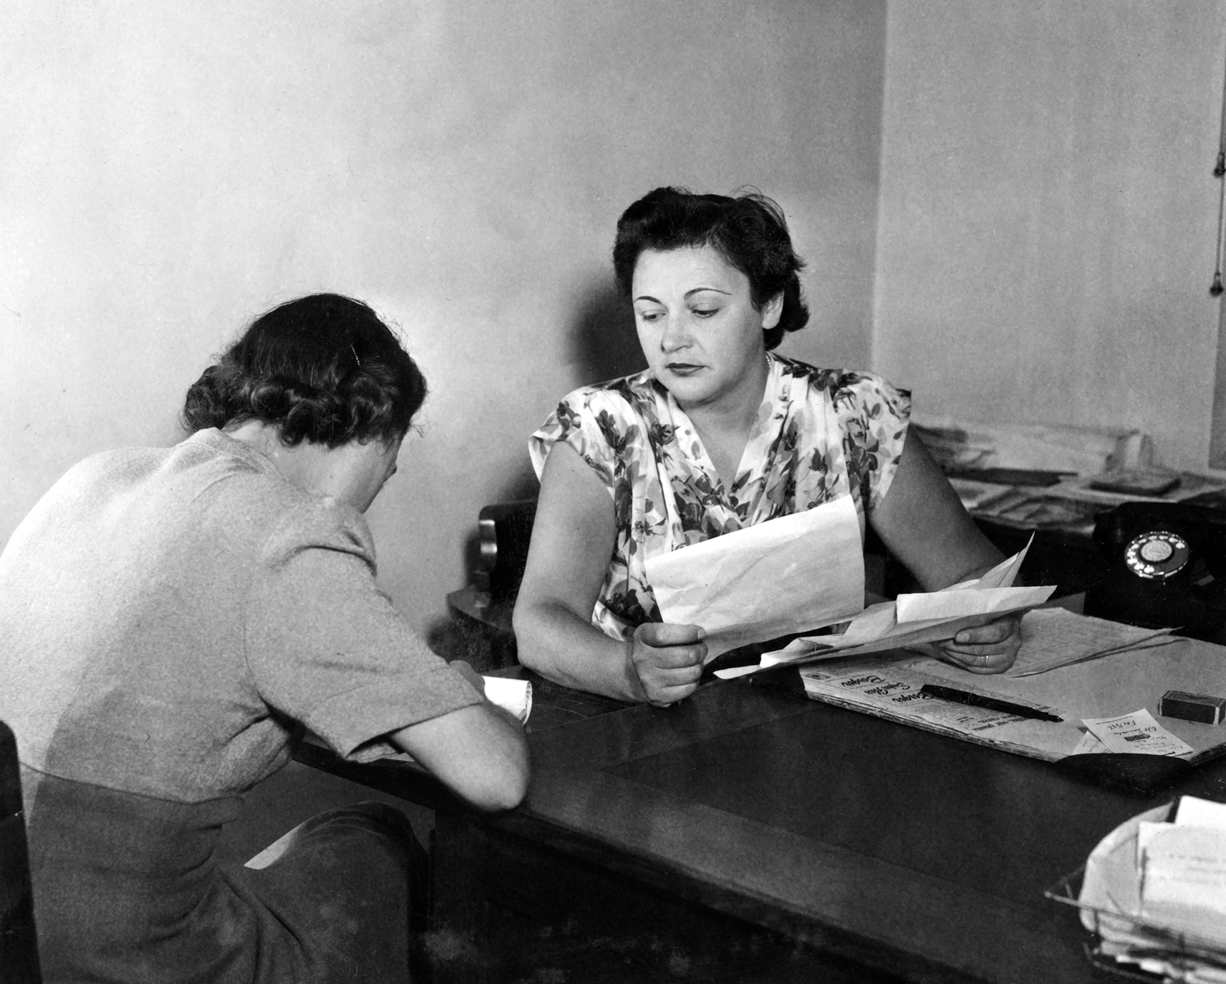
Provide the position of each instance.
(752, 834)
(749, 834)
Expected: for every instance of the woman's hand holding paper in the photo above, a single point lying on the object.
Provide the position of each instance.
(667, 660)
(990, 648)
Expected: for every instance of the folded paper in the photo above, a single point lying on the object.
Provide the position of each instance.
(935, 616)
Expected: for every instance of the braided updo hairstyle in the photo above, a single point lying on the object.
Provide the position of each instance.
(748, 231)
(323, 368)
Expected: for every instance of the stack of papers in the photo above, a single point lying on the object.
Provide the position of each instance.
(1081, 488)
(1053, 637)
(914, 619)
(1025, 508)
(958, 445)
(1155, 892)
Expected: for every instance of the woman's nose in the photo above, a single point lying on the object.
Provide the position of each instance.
(676, 334)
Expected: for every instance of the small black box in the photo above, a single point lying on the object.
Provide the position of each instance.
(1202, 708)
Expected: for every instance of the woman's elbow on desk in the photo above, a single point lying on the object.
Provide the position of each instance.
(550, 638)
(480, 753)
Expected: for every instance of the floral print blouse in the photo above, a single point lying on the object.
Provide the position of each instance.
(820, 434)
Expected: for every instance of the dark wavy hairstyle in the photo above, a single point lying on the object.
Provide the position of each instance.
(748, 231)
(323, 368)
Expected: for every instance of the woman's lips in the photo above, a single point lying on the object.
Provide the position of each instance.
(682, 368)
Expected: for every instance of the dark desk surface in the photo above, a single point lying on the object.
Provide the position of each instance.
(884, 847)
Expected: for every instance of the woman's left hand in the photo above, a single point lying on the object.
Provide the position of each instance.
(990, 648)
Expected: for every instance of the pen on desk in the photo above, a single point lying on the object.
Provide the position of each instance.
(991, 703)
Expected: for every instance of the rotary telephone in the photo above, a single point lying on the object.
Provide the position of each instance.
(1166, 567)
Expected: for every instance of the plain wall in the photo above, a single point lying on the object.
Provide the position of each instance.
(169, 171)
(1048, 217)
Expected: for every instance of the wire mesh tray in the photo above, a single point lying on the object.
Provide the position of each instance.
(1187, 959)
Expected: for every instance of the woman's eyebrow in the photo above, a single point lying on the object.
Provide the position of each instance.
(688, 293)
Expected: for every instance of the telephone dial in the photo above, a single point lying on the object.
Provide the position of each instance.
(1166, 567)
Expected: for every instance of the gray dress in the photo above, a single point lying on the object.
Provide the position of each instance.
(170, 619)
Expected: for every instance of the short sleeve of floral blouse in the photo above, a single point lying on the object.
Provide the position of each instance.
(588, 420)
(873, 417)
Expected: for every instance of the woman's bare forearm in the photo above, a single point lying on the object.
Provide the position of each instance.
(555, 642)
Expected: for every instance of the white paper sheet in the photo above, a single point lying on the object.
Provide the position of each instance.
(878, 627)
(513, 696)
(1003, 574)
(792, 574)
(934, 605)
(1110, 901)
(1182, 867)
(974, 597)
(1196, 812)
(1054, 637)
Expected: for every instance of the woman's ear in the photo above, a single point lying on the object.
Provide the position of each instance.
(772, 311)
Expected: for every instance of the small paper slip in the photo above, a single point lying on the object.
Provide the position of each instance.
(1136, 734)
(792, 574)
(513, 696)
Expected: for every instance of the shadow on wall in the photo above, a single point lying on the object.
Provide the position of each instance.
(602, 340)
(600, 343)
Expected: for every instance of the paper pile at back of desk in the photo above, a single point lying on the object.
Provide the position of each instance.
(1155, 890)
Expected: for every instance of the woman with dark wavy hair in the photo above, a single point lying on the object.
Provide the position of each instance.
(717, 435)
(173, 618)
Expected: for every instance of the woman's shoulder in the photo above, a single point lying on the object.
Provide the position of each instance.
(839, 381)
(623, 391)
(623, 401)
(602, 422)
(847, 387)
(241, 490)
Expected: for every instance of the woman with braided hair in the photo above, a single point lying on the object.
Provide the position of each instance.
(170, 621)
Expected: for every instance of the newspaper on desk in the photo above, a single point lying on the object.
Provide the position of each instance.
(890, 685)
(915, 619)
(1097, 715)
